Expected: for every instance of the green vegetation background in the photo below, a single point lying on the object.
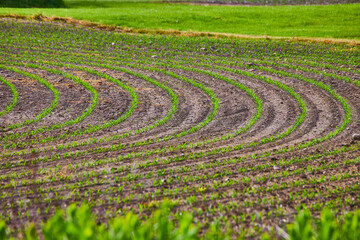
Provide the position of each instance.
(32, 3)
(325, 21)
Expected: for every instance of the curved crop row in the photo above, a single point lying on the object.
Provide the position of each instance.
(15, 97)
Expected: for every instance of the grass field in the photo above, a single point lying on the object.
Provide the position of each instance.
(325, 21)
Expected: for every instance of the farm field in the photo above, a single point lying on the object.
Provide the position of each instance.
(340, 21)
(245, 131)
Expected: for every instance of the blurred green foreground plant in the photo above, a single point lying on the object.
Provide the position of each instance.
(78, 223)
(327, 228)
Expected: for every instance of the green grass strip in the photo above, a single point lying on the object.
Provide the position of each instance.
(282, 21)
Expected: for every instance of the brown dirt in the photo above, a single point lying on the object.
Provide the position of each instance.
(243, 176)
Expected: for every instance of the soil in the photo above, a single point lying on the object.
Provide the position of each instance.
(241, 175)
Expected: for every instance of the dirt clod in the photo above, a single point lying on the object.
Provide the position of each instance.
(356, 137)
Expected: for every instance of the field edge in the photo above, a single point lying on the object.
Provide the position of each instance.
(168, 32)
